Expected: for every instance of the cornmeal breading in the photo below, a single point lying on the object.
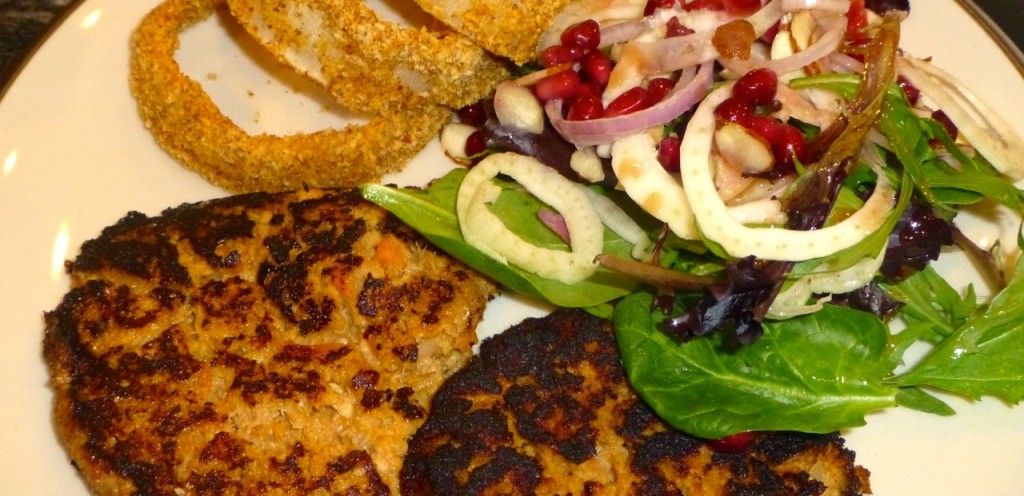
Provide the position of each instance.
(257, 344)
(508, 29)
(368, 62)
(186, 123)
(545, 408)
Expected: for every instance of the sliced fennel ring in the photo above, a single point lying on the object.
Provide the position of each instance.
(641, 175)
(799, 297)
(482, 229)
(770, 243)
(984, 129)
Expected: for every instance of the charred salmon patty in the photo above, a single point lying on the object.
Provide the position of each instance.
(545, 408)
(257, 344)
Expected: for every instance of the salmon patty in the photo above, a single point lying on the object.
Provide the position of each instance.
(256, 344)
(545, 408)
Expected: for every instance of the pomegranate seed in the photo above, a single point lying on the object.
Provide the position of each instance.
(588, 89)
(586, 35)
(769, 36)
(704, 5)
(597, 67)
(734, 110)
(741, 6)
(856, 17)
(476, 144)
(585, 107)
(787, 149)
(633, 100)
(559, 54)
(659, 88)
(653, 5)
(736, 443)
(941, 117)
(913, 94)
(787, 142)
(756, 87)
(674, 27)
(558, 86)
(473, 114)
(768, 128)
(668, 153)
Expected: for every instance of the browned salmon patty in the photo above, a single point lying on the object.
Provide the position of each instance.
(545, 408)
(258, 344)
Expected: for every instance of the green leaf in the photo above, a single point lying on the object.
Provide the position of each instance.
(975, 179)
(816, 373)
(928, 298)
(921, 401)
(910, 139)
(431, 212)
(985, 356)
(932, 310)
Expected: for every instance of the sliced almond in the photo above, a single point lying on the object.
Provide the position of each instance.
(744, 149)
(515, 106)
(453, 139)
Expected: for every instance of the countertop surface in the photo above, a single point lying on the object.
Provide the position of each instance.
(24, 23)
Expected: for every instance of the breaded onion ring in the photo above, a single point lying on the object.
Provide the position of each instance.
(188, 124)
(510, 29)
(367, 62)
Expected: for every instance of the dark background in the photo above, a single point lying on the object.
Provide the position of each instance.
(1009, 15)
(23, 23)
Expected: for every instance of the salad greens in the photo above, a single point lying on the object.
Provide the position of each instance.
(824, 371)
(814, 373)
(787, 380)
(432, 212)
(981, 352)
(847, 355)
(910, 138)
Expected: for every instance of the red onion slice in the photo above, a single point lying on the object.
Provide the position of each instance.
(601, 11)
(621, 32)
(605, 130)
(640, 59)
(555, 222)
(844, 64)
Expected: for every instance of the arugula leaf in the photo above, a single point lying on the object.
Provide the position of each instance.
(815, 373)
(975, 179)
(984, 356)
(928, 298)
(932, 310)
(910, 140)
(431, 212)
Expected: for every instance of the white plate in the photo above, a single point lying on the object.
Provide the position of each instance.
(75, 157)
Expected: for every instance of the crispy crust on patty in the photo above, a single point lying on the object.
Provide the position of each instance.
(191, 128)
(257, 344)
(545, 408)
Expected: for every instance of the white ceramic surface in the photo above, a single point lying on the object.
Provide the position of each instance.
(75, 157)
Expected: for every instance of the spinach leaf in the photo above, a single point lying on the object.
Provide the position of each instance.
(431, 212)
(921, 401)
(815, 373)
(985, 355)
